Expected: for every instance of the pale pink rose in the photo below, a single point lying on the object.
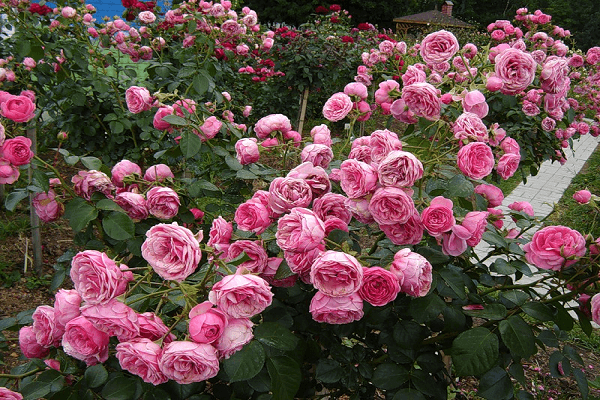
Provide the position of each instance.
(85, 183)
(491, 193)
(391, 205)
(454, 243)
(241, 296)
(158, 173)
(530, 109)
(337, 107)
(140, 357)
(474, 102)
(555, 247)
(582, 196)
(188, 362)
(294, 137)
(29, 345)
(9, 173)
(287, 193)
(158, 122)
(516, 69)
(97, 278)
(220, 234)
(332, 205)
(114, 318)
(318, 154)
(554, 77)
(17, 150)
(147, 17)
(361, 153)
(357, 178)
(172, 250)
(254, 250)
(271, 123)
(269, 273)
(188, 105)
(321, 135)
(356, 89)
(413, 75)
(7, 394)
(510, 145)
(469, 126)
(236, 335)
(84, 342)
(379, 287)
(247, 151)
(381, 143)
(399, 169)
(66, 307)
(47, 207)
(134, 205)
(548, 124)
(153, 328)
(386, 90)
(47, 332)
(336, 274)
(138, 99)
(207, 324)
(476, 160)
(210, 128)
(316, 177)
(252, 216)
(359, 207)
(162, 202)
(508, 165)
(336, 310)
(122, 169)
(410, 232)
(423, 99)
(401, 112)
(18, 108)
(523, 206)
(475, 222)
(2, 134)
(438, 217)
(438, 47)
(414, 272)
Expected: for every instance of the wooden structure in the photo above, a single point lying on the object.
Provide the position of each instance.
(422, 20)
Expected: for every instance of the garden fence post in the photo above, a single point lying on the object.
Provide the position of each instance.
(36, 238)
(303, 111)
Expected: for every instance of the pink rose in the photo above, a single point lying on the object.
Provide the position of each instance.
(391, 205)
(595, 307)
(300, 262)
(97, 278)
(356, 89)
(172, 250)
(122, 169)
(474, 102)
(158, 121)
(582, 196)
(141, 357)
(114, 318)
(7, 394)
(508, 165)
(554, 77)
(162, 202)
(300, 231)
(413, 75)
(188, 105)
(47, 207)
(147, 17)
(253, 250)
(252, 216)
(336, 310)
(399, 110)
(66, 307)
(220, 234)
(423, 99)
(510, 145)
(287, 193)
(247, 151)
(357, 178)
(206, 323)
(381, 143)
(410, 232)
(188, 362)
(379, 286)
(85, 183)
(555, 247)
(493, 84)
(138, 99)
(318, 154)
(523, 206)
(9, 173)
(331, 205)
(210, 128)
(475, 222)
(270, 271)
(491, 193)
(387, 91)
(158, 173)
(476, 160)
(438, 217)
(18, 108)
(17, 150)
(516, 69)
(271, 123)
(469, 126)
(241, 296)
(84, 342)
(236, 335)
(336, 274)
(360, 209)
(316, 177)
(414, 273)
(134, 205)
(454, 243)
(337, 107)
(321, 135)
(29, 345)
(438, 47)
(399, 169)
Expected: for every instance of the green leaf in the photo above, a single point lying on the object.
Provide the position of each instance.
(454, 281)
(563, 319)
(493, 311)
(154, 393)
(474, 352)
(57, 279)
(14, 198)
(200, 83)
(233, 163)
(502, 267)
(41, 180)
(516, 370)
(91, 162)
(494, 239)
(408, 334)
(285, 377)
(35, 390)
(329, 371)
(389, 376)
(206, 185)
(582, 383)
(517, 336)
(274, 335)
(79, 213)
(514, 297)
(432, 255)
(108, 205)
(495, 385)
(190, 144)
(283, 271)
(408, 394)
(175, 120)
(245, 363)
(96, 376)
(119, 388)
(424, 309)
(538, 311)
(118, 226)
(459, 186)
(244, 174)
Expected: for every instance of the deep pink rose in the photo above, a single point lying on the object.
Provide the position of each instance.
(84, 342)
(337, 107)
(474, 102)
(241, 296)
(391, 205)
(555, 247)
(162, 202)
(140, 357)
(300, 231)
(475, 222)
(287, 193)
(318, 154)
(336, 274)
(516, 69)
(271, 123)
(336, 310)
(510, 145)
(97, 278)
(357, 178)
(469, 126)
(379, 286)
(85, 183)
(189, 362)
(158, 173)
(29, 345)
(414, 272)
(438, 47)
(236, 334)
(220, 234)
(122, 169)
(172, 250)
(399, 169)
(508, 165)
(153, 328)
(454, 243)
(316, 177)
(247, 151)
(134, 205)
(300, 262)
(158, 121)
(582, 196)
(491, 193)
(523, 206)
(18, 108)
(9, 173)
(252, 216)
(17, 150)
(254, 250)
(438, 217)
(6, 394)
(66, 306)
(47, 207)
(381, 143)
(138, 99)
(332, 205)
(410, 232)
(206, 323)
(595, 307)
(423, 99)
(476, 160)
(114, 318)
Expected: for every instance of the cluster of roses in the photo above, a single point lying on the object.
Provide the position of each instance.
(134, 7)
(16, 151)
(36, 8)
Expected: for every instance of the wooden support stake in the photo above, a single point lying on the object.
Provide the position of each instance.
(36, 237)
(303, 111)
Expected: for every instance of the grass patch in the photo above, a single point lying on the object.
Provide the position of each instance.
(11, 226)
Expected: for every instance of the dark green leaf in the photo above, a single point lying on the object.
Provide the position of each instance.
(175, 120)
(57, 279)
(118, 226)
(582, 383)
(233, 163)
(495, 385)
(454, 281)
(35, 390)
(408, 334)
(408, 394)
(7, 323)
(154, 393)
(329, 371)
(283, 271)
(516, 370)
(434, 256)
(514, 297)
(200, 83)
(190, 144)
(245, 363)
(517, 336)
(285, 377)
(572, 354)
(459, 186)
(494, 239)
(424, 309)
(492, 311)
(563, 319)
(538, 311)
(14, 198)
(91, 162)
(389, 376)
(108, 205)
(474, 352)
(119, 388)
(502, 267)
(96, 376)
(79, 213)
(244, 174)
(274, 335)
(41, 180)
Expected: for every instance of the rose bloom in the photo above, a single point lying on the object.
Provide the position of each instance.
(475, 222)
(399, 169)
(122, 169)
(147, 17)
(413, 75)
(360, 209)
(423, 99)
(252, 216)
(391, 205)
(438, 47)
(269, 273)
(236, 335)
(7, 394)
(582, 196)
(66, 307)
(357, 178)
(97, 278)
(476, 160)
(85, 183)
(414, 272)
(469, 126)
(356, 89)
(336, 274)
(438, 217)
(241, 296)
(84, 342)
(247, 151)
(474, 102)
(158, 173)
(554, 77)
(17, 150)
(508, 165)
(337, 107)
(321, 135)
(595, 308)
(47, 333)
(382, 95)
(491, 193)
(158, 122)
(379, 286)
(336, 310)
(316, 178)
(18, 108)
(46, 206)
(410, 232)
(318, 154)
(114, 318)
(140, 357)
(523, 206)
(29, 345)
(188, 362)
(153, 328)
(138, 99)
(331, 205)
(206, 323)
(254, 250)
(271, 123)
(510, 145)
(382, 142)
(162, 202)
(134, 205)
(9, 173)
(300, 231)
(172, 250)
(516, 69)
(287, 193)
(555, 247)
(210, 128)
(220, 234)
